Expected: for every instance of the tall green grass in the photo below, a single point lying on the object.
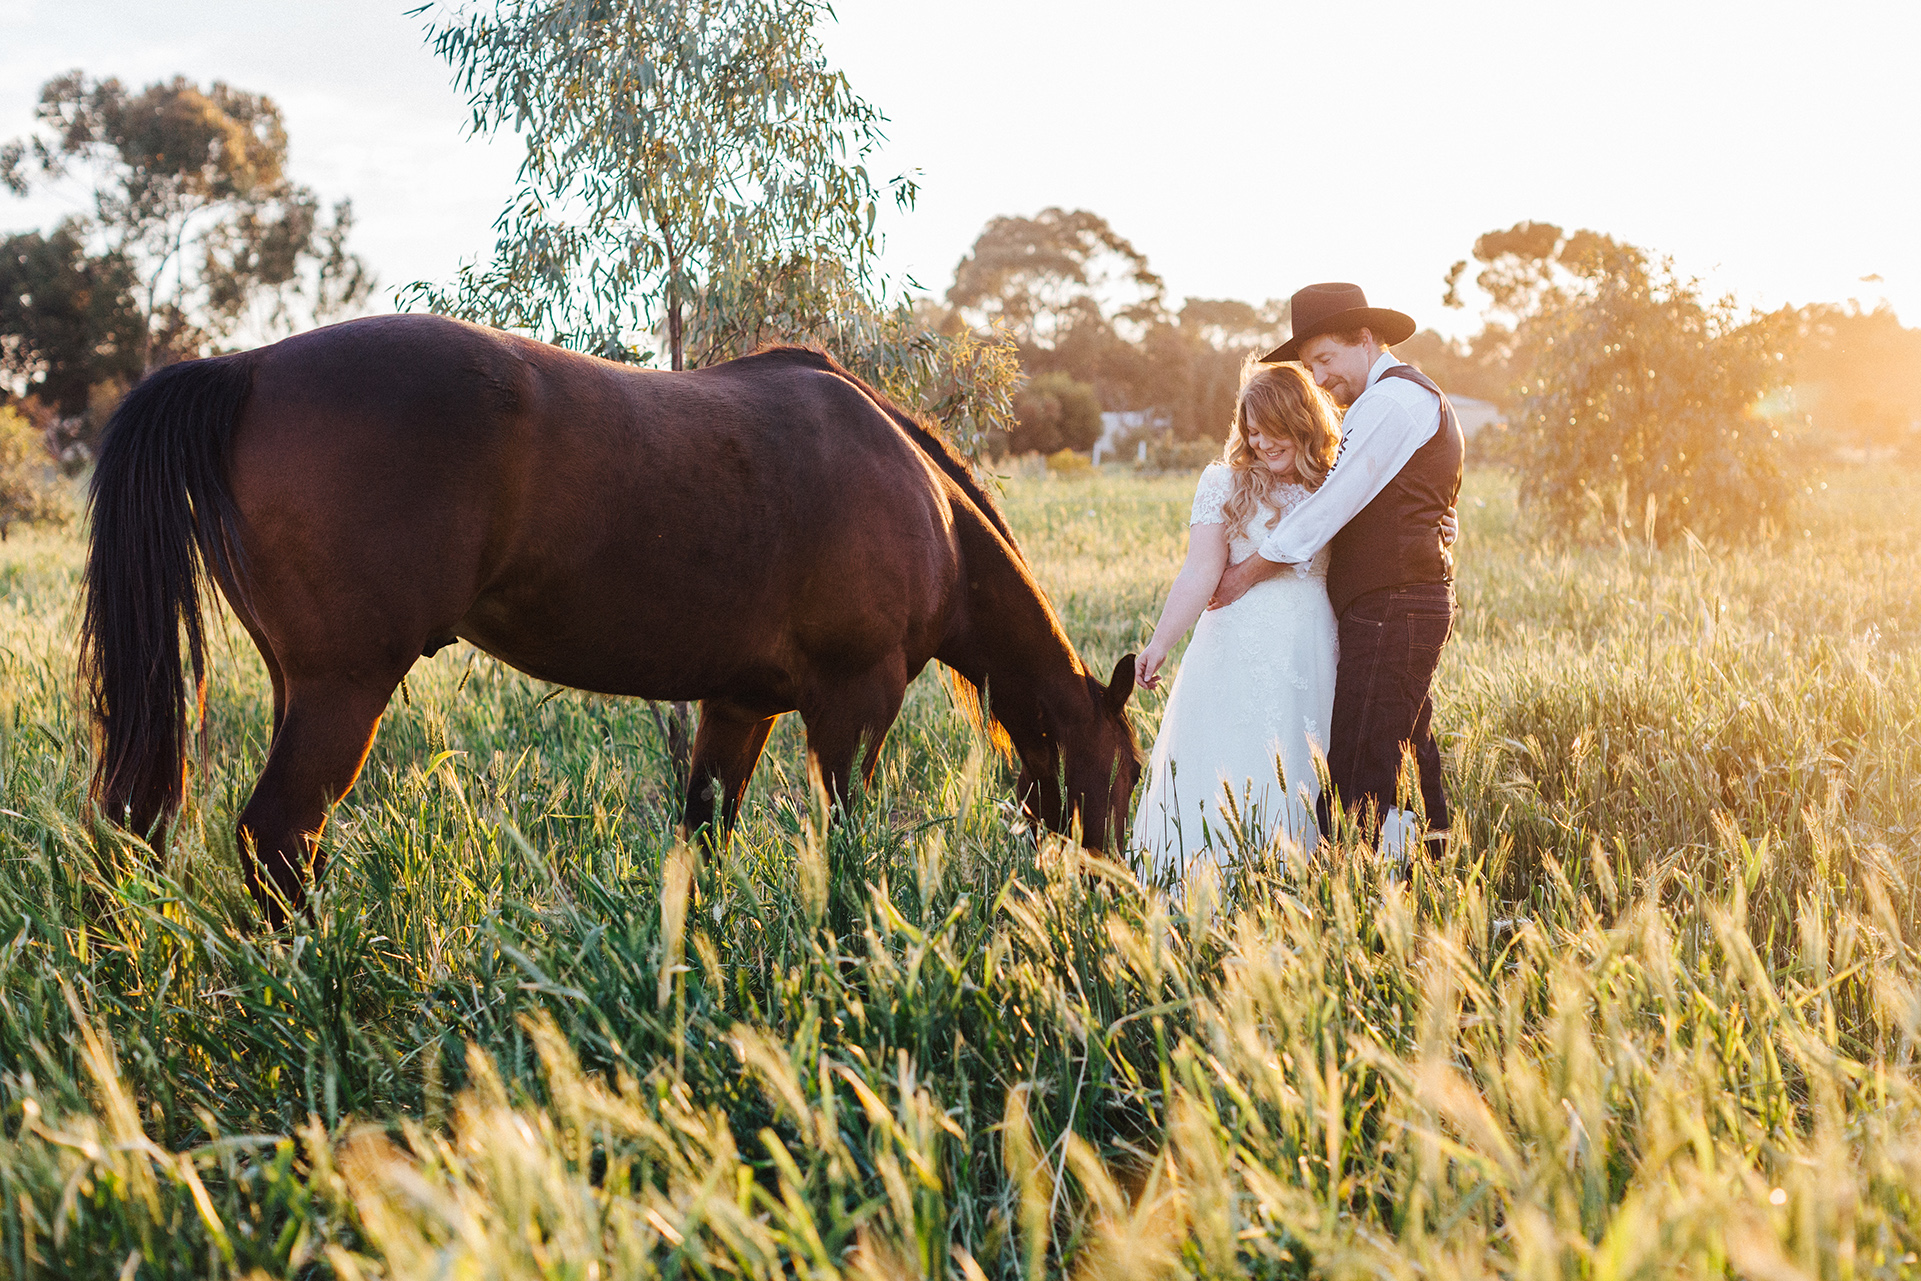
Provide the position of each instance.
(1655, 1015)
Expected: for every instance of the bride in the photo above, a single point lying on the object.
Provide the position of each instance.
(1234, 761)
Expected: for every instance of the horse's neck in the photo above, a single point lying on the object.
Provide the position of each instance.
(1011, 644)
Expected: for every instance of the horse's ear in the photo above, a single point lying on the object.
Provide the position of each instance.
(1120, 686)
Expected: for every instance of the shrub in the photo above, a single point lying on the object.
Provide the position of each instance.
(1068, 462)
(1167, 454)
(29, 488)
(1053, 412)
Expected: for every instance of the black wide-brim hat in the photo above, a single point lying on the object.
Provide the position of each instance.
(1337, 308)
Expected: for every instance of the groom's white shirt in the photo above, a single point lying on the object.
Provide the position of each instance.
(1387, 422)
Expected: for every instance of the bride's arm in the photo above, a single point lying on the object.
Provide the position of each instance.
(1206, 558)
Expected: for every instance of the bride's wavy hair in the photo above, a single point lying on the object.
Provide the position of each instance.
(1282, 400)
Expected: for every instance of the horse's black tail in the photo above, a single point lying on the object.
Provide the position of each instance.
(163, 521)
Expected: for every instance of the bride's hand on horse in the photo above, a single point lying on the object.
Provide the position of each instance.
(1147, 667)
(1450, 527)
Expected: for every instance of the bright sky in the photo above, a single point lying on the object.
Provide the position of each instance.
(1247, 148)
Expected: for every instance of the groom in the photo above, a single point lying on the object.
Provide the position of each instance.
(1390, 579)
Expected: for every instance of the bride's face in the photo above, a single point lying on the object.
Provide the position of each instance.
(1276, 450)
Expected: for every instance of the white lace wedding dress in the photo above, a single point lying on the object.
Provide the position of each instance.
(1250, 707)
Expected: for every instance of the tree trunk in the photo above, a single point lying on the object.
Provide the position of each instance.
(675, 351)
(677, 726)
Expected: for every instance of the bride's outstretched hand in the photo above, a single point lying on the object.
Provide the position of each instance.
(1147, 667)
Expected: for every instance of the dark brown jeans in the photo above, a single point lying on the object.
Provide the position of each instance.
(1390, 643)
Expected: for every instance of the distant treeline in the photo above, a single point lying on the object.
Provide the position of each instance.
(1097, 331)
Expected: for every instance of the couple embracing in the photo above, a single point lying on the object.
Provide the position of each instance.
(1320, 586)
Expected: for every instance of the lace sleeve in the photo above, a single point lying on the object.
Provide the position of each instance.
(1217, 484)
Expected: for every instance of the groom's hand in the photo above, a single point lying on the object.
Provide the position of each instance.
(1236, 579)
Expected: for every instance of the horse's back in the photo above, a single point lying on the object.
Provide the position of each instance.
(621, 529)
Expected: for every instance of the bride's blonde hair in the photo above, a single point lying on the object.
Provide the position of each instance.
(1278, 400)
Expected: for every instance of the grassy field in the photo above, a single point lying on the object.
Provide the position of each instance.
(1656, 1016)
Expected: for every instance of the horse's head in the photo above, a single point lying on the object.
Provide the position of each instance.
(1097, 760)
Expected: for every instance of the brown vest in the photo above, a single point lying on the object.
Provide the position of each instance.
(1395, 541)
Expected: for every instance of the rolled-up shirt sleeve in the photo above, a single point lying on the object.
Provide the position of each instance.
(1378, 435)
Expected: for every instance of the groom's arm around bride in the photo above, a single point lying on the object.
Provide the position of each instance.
(1391, 576)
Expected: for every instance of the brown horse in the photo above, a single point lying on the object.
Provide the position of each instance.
(763, 536)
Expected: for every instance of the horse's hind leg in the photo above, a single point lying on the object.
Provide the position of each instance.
(274, 674)
(726, 749)
(318, 749)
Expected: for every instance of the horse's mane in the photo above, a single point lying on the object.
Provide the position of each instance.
(918, 430)
(967, 697)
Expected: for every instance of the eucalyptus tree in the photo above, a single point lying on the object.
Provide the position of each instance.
(695, 174)
(695, 183)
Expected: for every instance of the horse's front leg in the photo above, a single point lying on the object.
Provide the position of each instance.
(726, 750)
(846, 715)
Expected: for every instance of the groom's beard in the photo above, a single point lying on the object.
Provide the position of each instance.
(1340, 391)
